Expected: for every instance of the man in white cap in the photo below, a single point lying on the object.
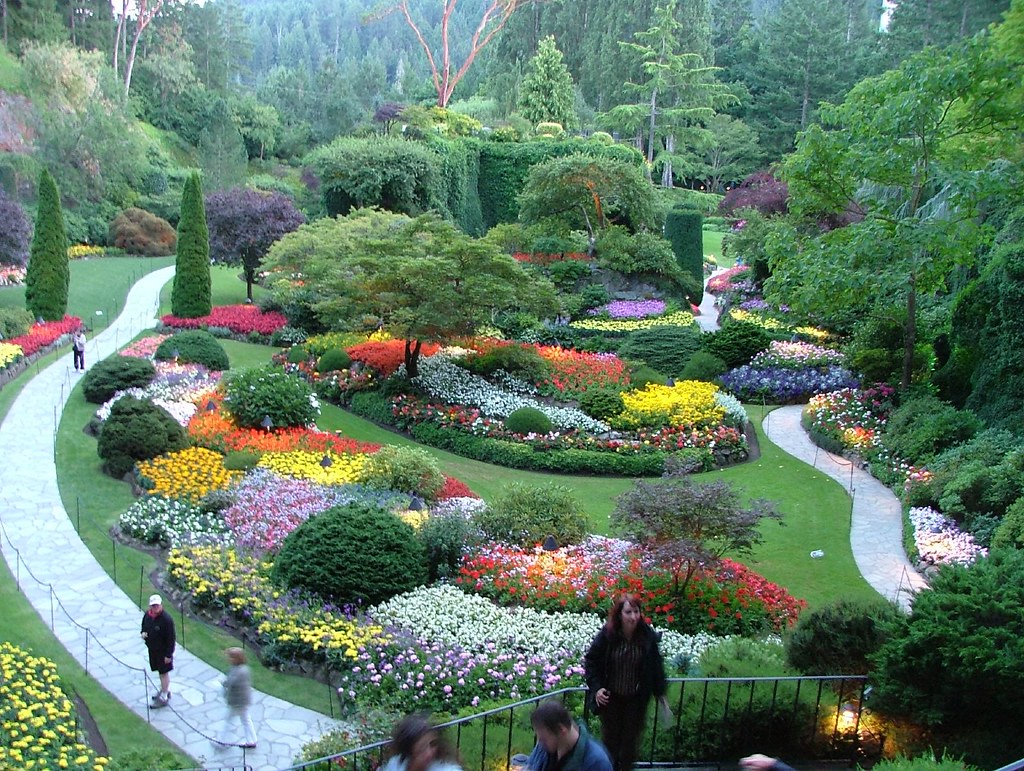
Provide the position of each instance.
(158, 632)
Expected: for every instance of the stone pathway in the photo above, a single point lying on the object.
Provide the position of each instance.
(87, 611)
(708, 317)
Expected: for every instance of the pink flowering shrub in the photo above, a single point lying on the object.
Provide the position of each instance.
(240, 319)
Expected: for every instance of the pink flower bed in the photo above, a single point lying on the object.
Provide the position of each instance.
(42, 335)
(144, 348)
(240, 319)
(723, 281)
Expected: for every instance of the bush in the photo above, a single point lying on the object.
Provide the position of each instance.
(643, 376)
(602, 137)
(298, 354)
(14, 322)
(409, 470)
(667, 349)
(737, 342)
(565, 273)
(684, 230)
(524, 361)
(923, 763)
(118, 373)
(355, 553)
(334, 360)
(837, 639)
(922, 427)
(445, 538)
(601, 403)
(286, 335)
(528, 420)
(1010, 533)
(255, 394)
(139, 232)
(137, 430)
(241, 460)
(524, 515)
(194, 346)
(703, 366)
(144, 760)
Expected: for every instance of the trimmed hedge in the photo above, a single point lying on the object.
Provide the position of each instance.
(117, 373)
(194, 346)
(684, 229)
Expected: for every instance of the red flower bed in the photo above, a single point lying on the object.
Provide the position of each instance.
(385, 357)
(453, 488)
(240, 319)
(42, 335)
(213, 430)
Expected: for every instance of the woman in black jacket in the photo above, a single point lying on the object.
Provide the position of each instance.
(624, 669)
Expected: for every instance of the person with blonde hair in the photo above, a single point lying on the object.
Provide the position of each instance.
(238, 694)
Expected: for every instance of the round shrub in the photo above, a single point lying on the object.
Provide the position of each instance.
(14, 322)
(118, 373)
(528, 420)
(601, 403)
(355, 553)
(602, 138)
(737, 342)
(667, 349)
(524, 515)
(838, 639)
(137, 430)
(194, 346)
(256, 394)
(139, 232)
(521, 360)
(333, 360)
(643, 376)
(924, 426)
(297, 354)
(409, 470)
(703, 366)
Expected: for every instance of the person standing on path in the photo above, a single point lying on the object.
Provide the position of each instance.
(158, 632)
(623, 668)
(78, 346)
(238, 694)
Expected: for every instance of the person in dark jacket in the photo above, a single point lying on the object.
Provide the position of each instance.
(562, 743)
(624, 669)
(158, 632)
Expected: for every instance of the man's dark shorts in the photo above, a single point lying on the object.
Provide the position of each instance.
(157, 663)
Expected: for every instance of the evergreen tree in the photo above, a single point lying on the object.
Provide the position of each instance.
(222, 153)
(191, 297)
(48, 275)
(546, 94)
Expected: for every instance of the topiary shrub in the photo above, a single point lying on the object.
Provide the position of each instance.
(253, 395)
(409, 470)
(118, 373)
(838, 638)
(297, 354)
(355, 553)
(667, 349)
(524, 515)
(137, 430)
(737, 342)
(333, 360)
(194, 346)
(14, 322)
(922, 427)
(528, 420)
(643, 376)
(703, 366)
(602, 403)
(602, 138)
(684, 229)
(139, 232)
(524, 361)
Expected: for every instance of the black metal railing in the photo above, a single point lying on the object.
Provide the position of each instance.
(714, 719)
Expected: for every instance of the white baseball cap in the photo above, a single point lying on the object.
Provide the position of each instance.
(154, 599)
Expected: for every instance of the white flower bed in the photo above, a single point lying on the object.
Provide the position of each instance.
(939, 541)
(176, 388)
(167, 522)
(735, 414)
(443, 379)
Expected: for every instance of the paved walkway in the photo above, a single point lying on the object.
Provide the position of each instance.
(876, 530)
(707, 319)
(89, 614)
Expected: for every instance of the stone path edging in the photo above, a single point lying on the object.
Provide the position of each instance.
(95, 621)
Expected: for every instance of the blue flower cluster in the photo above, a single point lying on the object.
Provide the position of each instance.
(777, 385)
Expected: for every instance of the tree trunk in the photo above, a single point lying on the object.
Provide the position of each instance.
(909, 335)
(412, 357)
(250, 276)
(650, 130)
(666, 171)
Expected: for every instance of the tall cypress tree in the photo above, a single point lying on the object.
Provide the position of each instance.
(546, 93)
(48, 275)
(191, 296)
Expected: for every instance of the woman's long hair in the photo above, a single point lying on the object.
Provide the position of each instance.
(410, 730)
(613, 625)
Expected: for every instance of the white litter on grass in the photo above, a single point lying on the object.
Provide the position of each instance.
(817, 554)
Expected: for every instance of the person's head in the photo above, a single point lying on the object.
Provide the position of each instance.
(417, 742)
(553, 725)
(625, 614)
(236, 656)
(156, 604)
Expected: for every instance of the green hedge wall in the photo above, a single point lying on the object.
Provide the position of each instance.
(684, 229)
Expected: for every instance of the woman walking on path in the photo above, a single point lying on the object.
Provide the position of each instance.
(624, 669)
(238, 694)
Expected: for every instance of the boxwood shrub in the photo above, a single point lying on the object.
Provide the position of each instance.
(194, 346)
(117, 373)
(137, 430)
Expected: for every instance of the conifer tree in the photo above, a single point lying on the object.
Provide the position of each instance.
(191, 296)
(546, 94)
(48, 275)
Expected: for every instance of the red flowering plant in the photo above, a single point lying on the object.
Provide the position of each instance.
(386, 356)
(214, 430)
(45, 333)
(333, 386)
(240, 319)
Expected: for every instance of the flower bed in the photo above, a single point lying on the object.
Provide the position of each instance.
(177, 388)
(12, 275)
(240, 319)
(785, 385)
(688, 403)
(797, 355)
(725, 281)
(38, 726)
(187, 474)
(629, 309)
(545, 258)
(216, 431)
(44, 334)
(677, 319)
(940, 542)
(386, 356)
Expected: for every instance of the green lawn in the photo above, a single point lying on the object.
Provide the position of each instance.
(226, 288)
(713, 245)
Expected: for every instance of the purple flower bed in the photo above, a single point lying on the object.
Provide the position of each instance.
(631, 309)
(777, 385)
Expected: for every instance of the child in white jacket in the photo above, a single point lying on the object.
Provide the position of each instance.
(238, 694)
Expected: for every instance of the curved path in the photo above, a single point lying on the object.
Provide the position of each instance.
(76, 598)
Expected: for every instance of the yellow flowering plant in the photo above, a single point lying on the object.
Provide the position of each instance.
(302, 464)
(187, 474)
(677, 319)
(687, 403)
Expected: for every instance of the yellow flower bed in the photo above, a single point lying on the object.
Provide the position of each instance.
(37, 721)
(677, 319)
(79, 251)
(813, 333)
(301, 464)
(9, 353)
(687, 403)
(414, 519)
(766, 322)
(219, 577)
(189, 474)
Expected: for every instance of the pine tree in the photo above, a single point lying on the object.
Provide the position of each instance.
(191, 297)
(48, 275)
(546, 94)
